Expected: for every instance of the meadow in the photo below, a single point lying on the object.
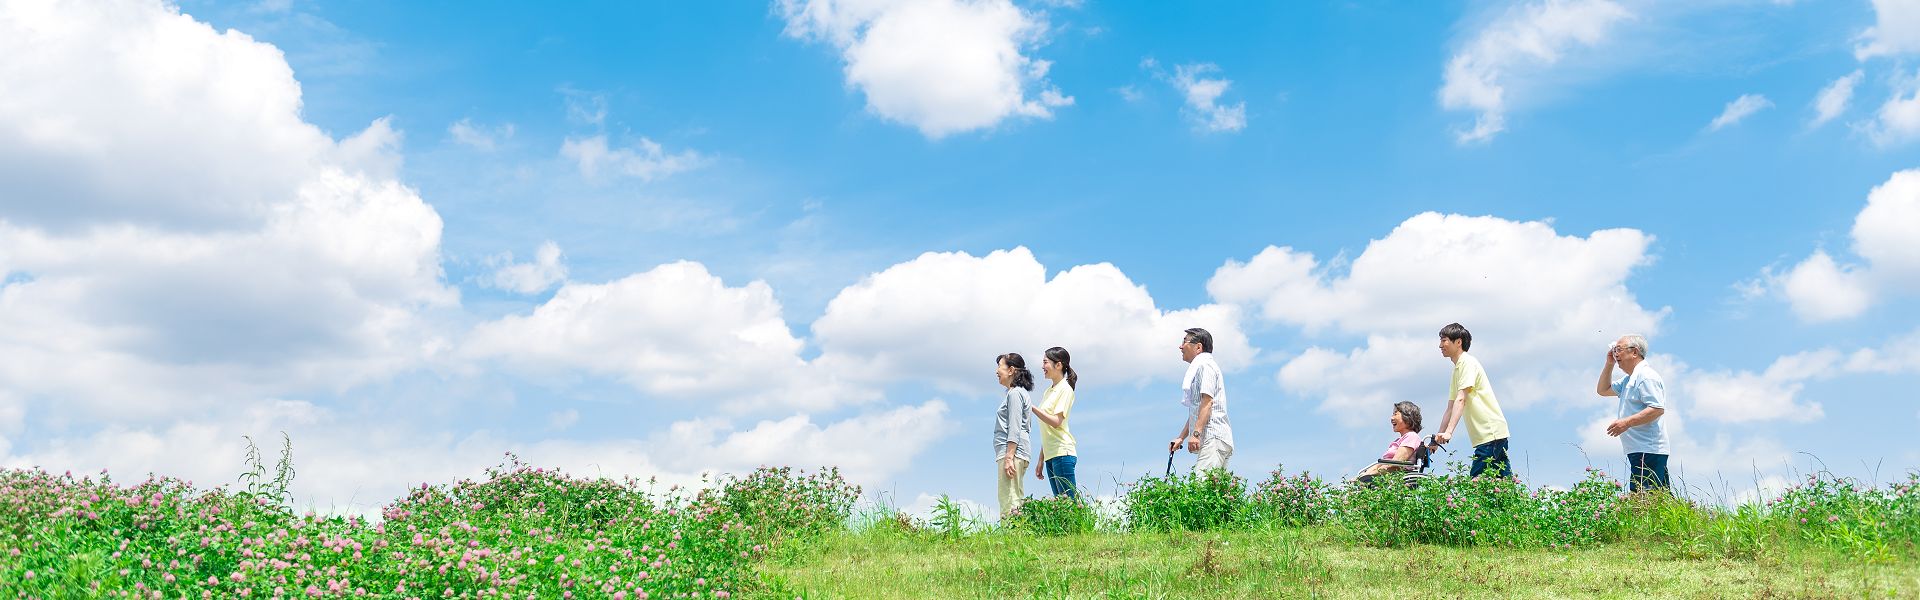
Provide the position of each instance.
(523, 531)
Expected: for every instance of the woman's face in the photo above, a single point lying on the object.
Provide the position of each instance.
(1050, 368)
(1003, 373)
(1399, 422)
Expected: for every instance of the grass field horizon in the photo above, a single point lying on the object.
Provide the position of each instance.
(526, 531)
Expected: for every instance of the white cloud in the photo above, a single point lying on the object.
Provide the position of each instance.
(1738, 396)
(1541, 306)
(1834, 99)
(1896, 30)
(1819, 289)
(1739, 109)
(1773, 394)
(479, 137)
(1898, 119)
(675, 330)
(647, 160)
(176, 236)
(1523, 41)
(1823, 289)
(944, 316)
(542, 274)
(1203, 93)
(941, 66)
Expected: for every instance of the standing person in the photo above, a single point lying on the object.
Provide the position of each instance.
(1206, 431)
(1471, 395)
(1643, 400)
(1012, 431)
(1057, 451)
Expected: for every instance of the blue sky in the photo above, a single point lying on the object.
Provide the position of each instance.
(668, 238)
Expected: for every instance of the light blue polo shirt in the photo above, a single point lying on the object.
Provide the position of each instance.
(1639, 391)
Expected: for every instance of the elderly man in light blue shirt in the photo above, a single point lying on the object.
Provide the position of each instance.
(1206, 432)
(1643, 400)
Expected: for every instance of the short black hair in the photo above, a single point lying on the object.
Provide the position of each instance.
(1200, 335)
(1458, 333)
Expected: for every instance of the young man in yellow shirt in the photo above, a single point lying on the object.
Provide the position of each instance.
(1471, 395)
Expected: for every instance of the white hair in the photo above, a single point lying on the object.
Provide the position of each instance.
(1635, 342)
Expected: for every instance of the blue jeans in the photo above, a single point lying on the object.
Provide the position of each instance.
(1060, 475)
(1647, 471)
(1492, 456)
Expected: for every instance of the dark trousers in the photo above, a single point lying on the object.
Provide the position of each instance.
(1646, 471)
(1491, 458)
(1060, 475)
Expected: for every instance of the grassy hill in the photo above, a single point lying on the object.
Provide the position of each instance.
(528, 532)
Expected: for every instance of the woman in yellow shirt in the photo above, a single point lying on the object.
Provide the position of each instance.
(1056, 441)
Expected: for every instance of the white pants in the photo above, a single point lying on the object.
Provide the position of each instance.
(1213, 455)
(1012, 489)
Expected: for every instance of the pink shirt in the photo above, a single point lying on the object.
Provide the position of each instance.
(1408, 439)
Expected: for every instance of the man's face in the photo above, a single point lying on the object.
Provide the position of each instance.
(1449, 348)
(1622, 353)
(1189, 349)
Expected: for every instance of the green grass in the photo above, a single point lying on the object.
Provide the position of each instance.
(1306, 562)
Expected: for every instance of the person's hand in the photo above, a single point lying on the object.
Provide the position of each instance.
(1173, 445)
(1006, 466)
(1193, 443)
(1442, 437)
(1610, 353)
(1617, 427)
(1036, 470)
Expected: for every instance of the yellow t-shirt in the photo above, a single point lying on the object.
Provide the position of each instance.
(1483, 418)
(1056, 441)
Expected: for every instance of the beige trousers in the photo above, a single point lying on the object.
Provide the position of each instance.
(1012, 489)
(1213, 455)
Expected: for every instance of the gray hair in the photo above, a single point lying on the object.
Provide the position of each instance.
(1635, 342)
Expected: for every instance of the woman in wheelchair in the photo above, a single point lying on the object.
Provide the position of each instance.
(1401, 455)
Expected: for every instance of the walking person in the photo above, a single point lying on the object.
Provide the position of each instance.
(1471, 395)
(1056, 442)
(1206, 431)
(1012, 430)
(1643, 400)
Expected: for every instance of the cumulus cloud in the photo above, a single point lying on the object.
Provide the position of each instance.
(1773, 394)
(1896, 30)
(676, 330)
(1541, 306)
(1527, 39)
(1834, 99)
(542, 274)
(1821, 288)
(1203, 93)
(174, 234)
(1739, 109)
(940, 66)
(646, 161)
(942, 316)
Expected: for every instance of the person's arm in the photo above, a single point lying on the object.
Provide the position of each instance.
(1645, 416)
(1052, 420)
(1185, 427)
(1198, 431)
(1605, 386)
(1455, 409)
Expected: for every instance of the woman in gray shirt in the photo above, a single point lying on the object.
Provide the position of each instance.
(1012, 428)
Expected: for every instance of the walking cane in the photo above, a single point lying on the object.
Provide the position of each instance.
(1170, 462)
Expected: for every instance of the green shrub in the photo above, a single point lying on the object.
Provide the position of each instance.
(1059, 515)
(786, 502)
(1195, 501)
(1293, 501)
